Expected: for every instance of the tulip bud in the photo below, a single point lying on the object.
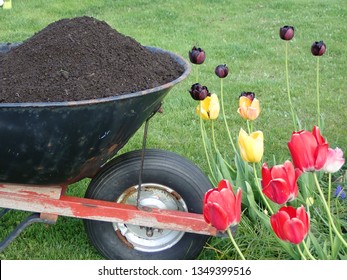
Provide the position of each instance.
(197, 55)
(318, 48)
(287, 32)
(199, 92)
(222, 71)
(309, 201)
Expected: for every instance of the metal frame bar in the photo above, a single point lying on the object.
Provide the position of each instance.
(45, 200)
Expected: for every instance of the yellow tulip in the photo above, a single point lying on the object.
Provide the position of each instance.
(208, 109)
(251, 146)
(248, 109)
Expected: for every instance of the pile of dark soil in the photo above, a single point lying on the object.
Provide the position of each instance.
(79, 59)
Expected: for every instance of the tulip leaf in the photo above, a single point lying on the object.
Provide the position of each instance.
(335, 248)
(317, 246)
(214, 176)
(225, 170)
(325, 248)
(242, 176)
(252, 206)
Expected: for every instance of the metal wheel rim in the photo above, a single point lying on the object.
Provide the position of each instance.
(148, 239)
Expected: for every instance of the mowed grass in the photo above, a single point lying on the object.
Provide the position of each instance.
(243, 35)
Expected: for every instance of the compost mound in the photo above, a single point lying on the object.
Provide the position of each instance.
(78, 59)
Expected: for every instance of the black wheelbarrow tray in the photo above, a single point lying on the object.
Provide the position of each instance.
(143, 204)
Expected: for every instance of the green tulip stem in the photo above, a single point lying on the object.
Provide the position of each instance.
(235, 245)
(197, 73)
(213, 136)
(331, 222)
(300, 252)
(223, 112)
(248, 127)
(288, 87)
(260, 190)
(329, 207)
(308, 251)
(318, 97)
(203, 140)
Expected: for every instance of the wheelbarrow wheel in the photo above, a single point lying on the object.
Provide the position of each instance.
(169, 181)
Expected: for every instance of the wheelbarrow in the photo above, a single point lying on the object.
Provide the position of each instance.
(143, 204)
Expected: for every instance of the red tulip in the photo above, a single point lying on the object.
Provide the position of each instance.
(291, 224)
(280, 182)
(222, 208)
(309, 150)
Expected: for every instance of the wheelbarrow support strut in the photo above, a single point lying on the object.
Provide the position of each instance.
(33, 218)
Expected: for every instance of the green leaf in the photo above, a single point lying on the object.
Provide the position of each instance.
(335, 248)
(224, 169)
(318, 247)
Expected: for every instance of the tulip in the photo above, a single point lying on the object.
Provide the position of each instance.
(280, 182)
(290, 224)
(249, 107)
(208, 109)
(197, 55)
(222, 208)
(251, 146)
(318, 48)
(287, 32)
(309, 150)
(199, 92)
(334, 161)
(222, 71)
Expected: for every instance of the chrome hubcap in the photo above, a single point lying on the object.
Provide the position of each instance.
(148, 239)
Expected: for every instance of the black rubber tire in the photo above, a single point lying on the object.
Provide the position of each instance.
(160, 167)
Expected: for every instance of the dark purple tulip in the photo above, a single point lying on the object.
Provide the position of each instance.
(197, 55)
(318, 48)
(250, 95)
(199, 92)
(287, 32)
(222, 71)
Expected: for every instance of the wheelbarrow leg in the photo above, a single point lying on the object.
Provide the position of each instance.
(33, 218)
(3, 212)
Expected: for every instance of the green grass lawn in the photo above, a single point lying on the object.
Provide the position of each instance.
(242, 34)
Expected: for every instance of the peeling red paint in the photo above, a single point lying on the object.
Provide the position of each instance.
(85, 208)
